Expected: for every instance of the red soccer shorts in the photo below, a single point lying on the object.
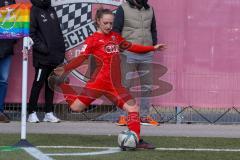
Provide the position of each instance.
(119, 95)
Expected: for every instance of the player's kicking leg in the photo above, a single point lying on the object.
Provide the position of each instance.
(133, 123)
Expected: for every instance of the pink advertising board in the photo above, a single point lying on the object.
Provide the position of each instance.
(202, 53)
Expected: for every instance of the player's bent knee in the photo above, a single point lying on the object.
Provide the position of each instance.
(75, 108)
(131, 108)
(131, 102)
(78, 106)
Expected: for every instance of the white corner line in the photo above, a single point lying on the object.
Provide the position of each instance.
(108, 151)
(34, 152)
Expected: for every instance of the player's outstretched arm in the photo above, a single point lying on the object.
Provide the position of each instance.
(160, 47)
(76, 62)
(137, 48)
(71, 65)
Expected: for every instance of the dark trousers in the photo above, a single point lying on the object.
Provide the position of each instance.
(41, 78)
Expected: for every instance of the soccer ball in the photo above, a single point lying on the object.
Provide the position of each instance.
(127, 140)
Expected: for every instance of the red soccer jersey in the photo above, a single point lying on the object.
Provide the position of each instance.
(105, 48)
(107, 75)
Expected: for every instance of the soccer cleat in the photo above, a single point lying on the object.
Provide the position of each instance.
(122, 121)
(148, 121)
(144, 145)
(49, 117)
(4, 118)
(32, 118)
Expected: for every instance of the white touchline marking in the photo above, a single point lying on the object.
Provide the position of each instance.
(109, 151)
(34, 152)
(161, 149)
(76, 147)
(199, 149)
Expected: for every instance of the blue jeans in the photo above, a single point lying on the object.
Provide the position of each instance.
(4, 73)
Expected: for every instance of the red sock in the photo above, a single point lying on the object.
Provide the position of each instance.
(133, 123)
(69, 94)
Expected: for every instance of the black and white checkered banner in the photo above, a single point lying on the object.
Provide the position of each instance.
(76, 20)
(110, 2)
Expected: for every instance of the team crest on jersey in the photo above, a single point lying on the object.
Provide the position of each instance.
(113, 38)
(76, 19)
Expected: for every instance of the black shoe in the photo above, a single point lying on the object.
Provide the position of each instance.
(4, 118)
(145, 145)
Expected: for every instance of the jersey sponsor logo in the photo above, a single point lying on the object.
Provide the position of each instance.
(111, 48)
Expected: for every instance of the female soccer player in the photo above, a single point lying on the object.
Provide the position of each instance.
(105, 45)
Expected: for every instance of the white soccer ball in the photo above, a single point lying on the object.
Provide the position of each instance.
(127, 139)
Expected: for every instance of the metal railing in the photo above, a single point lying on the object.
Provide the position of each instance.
(163, 114)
